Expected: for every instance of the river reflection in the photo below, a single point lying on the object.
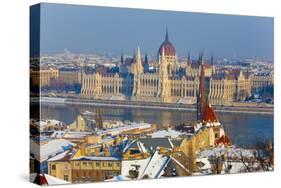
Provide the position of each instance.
(243, 129)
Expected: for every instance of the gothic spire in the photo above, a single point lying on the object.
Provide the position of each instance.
(145, 58)
(201, 97)
(138, 52)
(188, 58)
(201, 57)
(138, 55)
(167, 35)
(122, 57)
(212, 59)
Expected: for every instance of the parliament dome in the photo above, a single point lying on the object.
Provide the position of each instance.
(168, 47)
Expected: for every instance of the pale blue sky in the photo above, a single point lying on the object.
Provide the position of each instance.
(90, 29)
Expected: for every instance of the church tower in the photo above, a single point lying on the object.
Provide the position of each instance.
(163, 87)
(201, 97)
(138, 61)
(137, 67)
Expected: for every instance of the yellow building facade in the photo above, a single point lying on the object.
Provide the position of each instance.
(60, 169)
(94, 169)
(43, 76)
(165, 84)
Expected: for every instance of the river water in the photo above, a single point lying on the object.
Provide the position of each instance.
(244, 129)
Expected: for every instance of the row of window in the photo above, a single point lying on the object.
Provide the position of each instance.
(96, 163)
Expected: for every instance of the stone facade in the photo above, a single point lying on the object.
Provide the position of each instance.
(44, 77)
(261, 82)
(69, 76)
(165, 83)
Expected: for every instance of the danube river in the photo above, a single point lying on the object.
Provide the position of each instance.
(244, 129)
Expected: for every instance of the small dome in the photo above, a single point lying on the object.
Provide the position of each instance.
(169, 49)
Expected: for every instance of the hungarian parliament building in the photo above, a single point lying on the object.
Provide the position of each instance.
(167, 82)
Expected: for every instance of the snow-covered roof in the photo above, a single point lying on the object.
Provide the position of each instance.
(166, 133)
(77, 135)
(123, 128)
(49, 149)
(94, 158)
(128, 165)
(135, 144)
(58, 134)
(107, 139)
(62, 156)
(43, 123)
(156, 165)
(152, 143)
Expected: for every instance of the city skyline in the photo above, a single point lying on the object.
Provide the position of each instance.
(124, 29)
(126, 94)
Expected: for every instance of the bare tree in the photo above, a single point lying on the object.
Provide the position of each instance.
(216, 163)
(265, 155)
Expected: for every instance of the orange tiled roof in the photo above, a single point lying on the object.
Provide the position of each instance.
(209, 114)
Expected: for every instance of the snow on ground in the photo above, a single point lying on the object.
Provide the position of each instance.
(54, 181)
(32, 177)
(238, 167)
(231, 152)
(206, 165)
(118, 178)
(234, 163)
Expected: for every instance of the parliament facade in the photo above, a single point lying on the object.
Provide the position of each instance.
(168, 81)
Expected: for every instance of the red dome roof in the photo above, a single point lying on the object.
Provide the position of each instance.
(169, 49)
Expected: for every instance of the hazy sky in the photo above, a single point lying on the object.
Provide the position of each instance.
(89, 29)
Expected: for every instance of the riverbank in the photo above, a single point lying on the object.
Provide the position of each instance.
(153, 105)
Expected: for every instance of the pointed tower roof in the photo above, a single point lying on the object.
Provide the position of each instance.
(122, 57)
(201, 57)
(188, 58)
(212, 59)
(138, 54)
(145, 58)
(168, 46)
(167, 35)
(201, 98)
(209, 114)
